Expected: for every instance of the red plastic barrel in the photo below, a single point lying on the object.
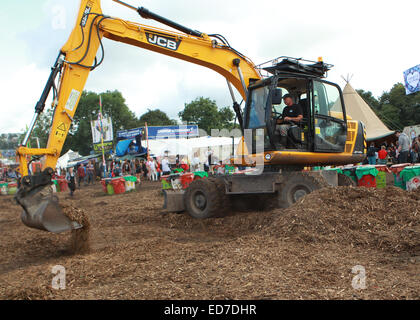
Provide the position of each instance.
(104, 186)
(367, 181)
(64, 186)
(186, 179)
(119, 185)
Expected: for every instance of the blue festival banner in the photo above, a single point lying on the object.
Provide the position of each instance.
(412, 80)
(166, 132)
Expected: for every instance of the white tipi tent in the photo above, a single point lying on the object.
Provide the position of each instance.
(358, 109)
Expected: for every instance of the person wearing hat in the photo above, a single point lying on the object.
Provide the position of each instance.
(292, 113)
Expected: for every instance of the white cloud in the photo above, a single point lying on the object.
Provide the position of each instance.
(21, 91)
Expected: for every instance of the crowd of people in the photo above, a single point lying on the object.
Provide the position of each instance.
(405, 150)
(8, 174)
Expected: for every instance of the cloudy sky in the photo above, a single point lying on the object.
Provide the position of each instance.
(375, 41)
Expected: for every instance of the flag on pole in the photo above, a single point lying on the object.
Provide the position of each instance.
(102, 134)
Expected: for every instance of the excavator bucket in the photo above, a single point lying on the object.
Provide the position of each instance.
(42, 211)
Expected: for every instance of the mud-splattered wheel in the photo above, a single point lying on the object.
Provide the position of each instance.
(204, 198)
(296, 186)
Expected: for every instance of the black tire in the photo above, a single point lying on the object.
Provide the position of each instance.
(224, 199)
(345, 180)
(296, 186)
(204, 199)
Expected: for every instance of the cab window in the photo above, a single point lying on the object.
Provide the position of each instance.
(327, 100)
(257, 108)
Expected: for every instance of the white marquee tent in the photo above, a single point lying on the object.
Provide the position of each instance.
(221, 147)
(63, 161)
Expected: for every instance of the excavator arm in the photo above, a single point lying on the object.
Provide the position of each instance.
(77, 58)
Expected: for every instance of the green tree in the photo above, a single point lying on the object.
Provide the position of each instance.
(397, 110)
(156, 118)
(113, 105)
(205, 113)
(41, 129)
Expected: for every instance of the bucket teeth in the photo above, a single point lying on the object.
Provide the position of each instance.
(42, 211)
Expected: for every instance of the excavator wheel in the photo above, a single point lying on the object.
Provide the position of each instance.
(344, 180)
(205, 198)
(296, 186)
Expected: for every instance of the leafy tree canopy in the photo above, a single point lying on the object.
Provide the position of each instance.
(156, 118)
(113, 105)
(205, 113)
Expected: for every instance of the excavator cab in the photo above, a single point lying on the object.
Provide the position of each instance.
(323, 127)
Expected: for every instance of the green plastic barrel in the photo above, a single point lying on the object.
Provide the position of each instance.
(409, 173)
(3, 188)
(166, 185)
(381, 180)
(351, 172)
(57, 185)
(398, 181)
(12, 188)
(201, 174)
(110, 189)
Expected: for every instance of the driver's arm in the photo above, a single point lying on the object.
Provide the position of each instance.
(298, 118)
(295, 119)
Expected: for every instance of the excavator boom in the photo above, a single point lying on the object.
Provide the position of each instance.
(77, 58)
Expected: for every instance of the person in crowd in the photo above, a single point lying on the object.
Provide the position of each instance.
(101, 171)
(177, 163)
(11, 174)
(382, 155)
(144, 169)
(418, 153)
(117, 170)
(195, 163)
(151, 165)
(209, 162)
(70, 177)
(415, 148)
(90, 169)
(132, 167)
(220, 168)
(403, 146)
(371, 154)
(3, 173)
(81, 173)
(126, 168)
(138, 169)
(158, 169)
(166, 170)
(392, 154)
(184, 165)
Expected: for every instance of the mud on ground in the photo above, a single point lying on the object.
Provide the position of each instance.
(134, 252)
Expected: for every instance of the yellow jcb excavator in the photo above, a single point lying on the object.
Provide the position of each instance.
(325, 136)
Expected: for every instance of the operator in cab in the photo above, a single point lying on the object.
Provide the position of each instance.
(292, 114)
